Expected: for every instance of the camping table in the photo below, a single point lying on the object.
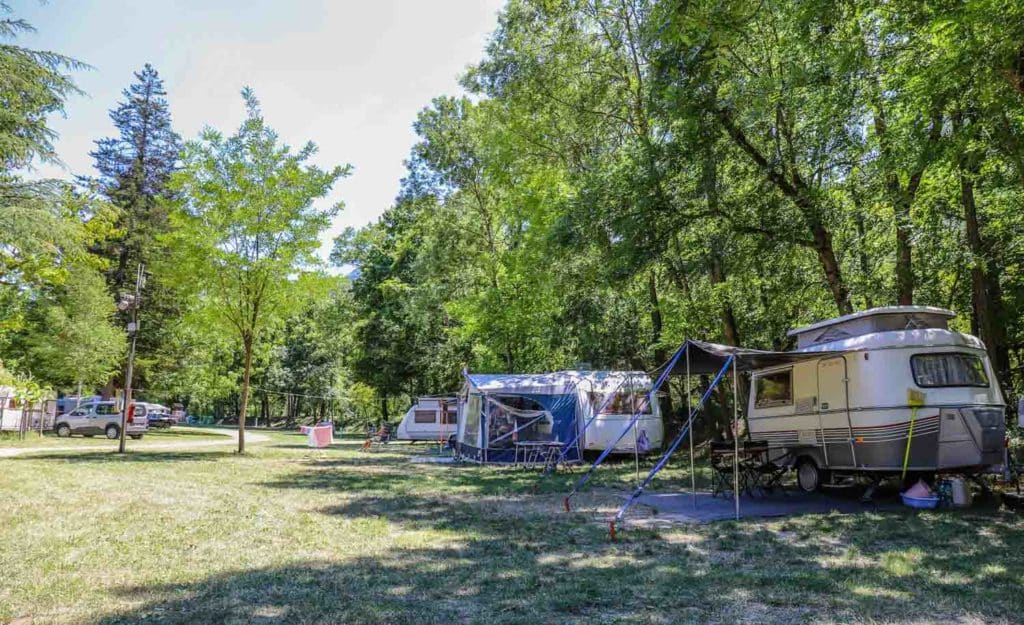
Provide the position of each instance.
(756, 470)
(533, 452)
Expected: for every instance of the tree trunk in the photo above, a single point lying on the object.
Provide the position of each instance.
(660, 355)
(794, 188)
(829, 263)
(716, 276)
(862, 256)
(986, 294)
(904, 254)
(247, 346)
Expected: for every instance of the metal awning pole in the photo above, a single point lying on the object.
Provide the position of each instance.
(689, 426)
(636, 439)
(736, 442)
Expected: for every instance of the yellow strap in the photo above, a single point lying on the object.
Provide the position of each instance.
(910, 436)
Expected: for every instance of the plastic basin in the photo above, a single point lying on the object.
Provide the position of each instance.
(924, 503)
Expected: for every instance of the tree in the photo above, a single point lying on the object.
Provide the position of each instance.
(35, 227)
(55, 312)
(33, 86)
(70, 338)
(632, 172)
(246, 231)
(134, 169)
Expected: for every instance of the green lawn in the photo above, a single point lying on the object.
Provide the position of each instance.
(292, 535)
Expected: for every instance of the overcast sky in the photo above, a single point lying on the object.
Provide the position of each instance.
(349, 75)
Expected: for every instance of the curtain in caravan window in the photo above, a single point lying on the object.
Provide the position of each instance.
(424, 416)
(951, 369)
(622, 403)
(774, 389)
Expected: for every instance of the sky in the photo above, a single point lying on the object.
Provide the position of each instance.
(349, 75)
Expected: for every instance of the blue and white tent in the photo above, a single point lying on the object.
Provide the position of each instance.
(569, 410)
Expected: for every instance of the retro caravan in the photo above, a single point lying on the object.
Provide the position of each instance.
(891, 389)
(429, 419)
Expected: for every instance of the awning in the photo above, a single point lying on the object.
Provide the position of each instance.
(708, 358)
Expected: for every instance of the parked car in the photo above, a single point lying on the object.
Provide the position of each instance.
(101, 417)
(159, 416)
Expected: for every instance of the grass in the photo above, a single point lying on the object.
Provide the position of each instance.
(154, 435)
(292, 535)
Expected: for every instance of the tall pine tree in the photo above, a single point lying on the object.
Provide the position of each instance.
(134, 168)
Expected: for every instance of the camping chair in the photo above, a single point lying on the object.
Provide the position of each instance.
(378, 439)
(759, 474)
(722, 467)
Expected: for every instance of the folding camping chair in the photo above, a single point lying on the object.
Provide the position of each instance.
(759, 474)
(378, 439)
(722, 467)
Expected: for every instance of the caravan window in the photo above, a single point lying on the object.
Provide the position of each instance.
(424, 416)
(774, 389)
(450, 416)
(950, 369)
(628, 403)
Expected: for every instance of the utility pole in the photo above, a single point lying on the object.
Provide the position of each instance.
(130, 303)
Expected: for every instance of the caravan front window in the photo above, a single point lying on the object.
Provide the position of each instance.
(622, 403)
(949, 369)
(774, 389)
(424, 416)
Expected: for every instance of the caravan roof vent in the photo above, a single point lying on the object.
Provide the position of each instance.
(885, 319)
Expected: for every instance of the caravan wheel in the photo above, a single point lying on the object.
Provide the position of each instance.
(808, 476)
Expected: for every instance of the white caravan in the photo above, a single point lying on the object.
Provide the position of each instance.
(590, 409)
(429, 419)
(606, 391)
(882, 373)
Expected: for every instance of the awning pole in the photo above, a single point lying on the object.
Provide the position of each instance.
(689, 426)
(736, 442)
(719, 378)
(648, 398)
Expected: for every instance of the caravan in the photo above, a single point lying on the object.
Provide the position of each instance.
(878, 391)
(429, 419)
(508, 416)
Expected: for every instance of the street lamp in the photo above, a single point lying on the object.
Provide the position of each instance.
(130, 303)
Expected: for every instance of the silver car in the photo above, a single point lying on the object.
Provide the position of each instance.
(101, 417)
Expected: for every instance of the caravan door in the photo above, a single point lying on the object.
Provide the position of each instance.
(834, 412)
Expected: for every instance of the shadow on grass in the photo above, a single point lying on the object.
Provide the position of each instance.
(500, 564)
(137, 455)
(190, 433)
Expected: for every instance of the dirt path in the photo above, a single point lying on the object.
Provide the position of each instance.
(230, 437)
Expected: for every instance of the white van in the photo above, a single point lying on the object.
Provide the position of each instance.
(101, 417)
